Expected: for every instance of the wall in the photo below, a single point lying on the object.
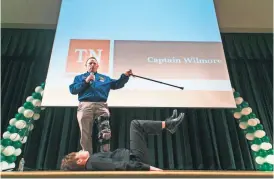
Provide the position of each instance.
(233, 15)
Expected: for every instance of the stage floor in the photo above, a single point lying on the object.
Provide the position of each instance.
(139, 174)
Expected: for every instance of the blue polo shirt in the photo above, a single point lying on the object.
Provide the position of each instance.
(97, 90)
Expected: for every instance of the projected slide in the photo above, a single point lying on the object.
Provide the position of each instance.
(176, 42)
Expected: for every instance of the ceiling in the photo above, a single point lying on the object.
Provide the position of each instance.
(233, 15)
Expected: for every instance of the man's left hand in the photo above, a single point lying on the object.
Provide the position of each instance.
(129, 73)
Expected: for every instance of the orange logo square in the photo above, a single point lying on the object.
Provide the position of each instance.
(81, 50)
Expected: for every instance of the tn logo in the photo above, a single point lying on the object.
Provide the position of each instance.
(84, 53)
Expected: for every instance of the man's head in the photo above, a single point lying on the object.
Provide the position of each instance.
(75, 161)
(92, 64)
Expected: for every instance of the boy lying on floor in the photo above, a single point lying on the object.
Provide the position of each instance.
(135, 159)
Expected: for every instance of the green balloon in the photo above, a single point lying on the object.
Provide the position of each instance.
(265, 139)
(257, 166)
(3, 158)
(17, 144)
(36, 96)
(238, 109)
(236, 94)
(244, 104)
(250, 129)
(43, 85)
(28, 105)
(270, 152)
(262, 153)
(27, 119)
(22, 132)
(270, 167)
(262, 167)
(11, 158)
(266, 167)
(12, 129)
(257, 141)
(19, 116)
(252, 115)
(6, 142)
(250, 142)
(259, 127)
(255, 154)
(244, 118)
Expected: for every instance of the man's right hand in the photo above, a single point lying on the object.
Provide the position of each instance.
(90, 78)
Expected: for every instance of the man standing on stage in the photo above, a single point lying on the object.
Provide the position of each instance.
(93, 89)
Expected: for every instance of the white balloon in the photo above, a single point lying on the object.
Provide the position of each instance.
(260, 160)
(17, 152)
(237, 115)
(239, 100)
(15, 137)
(8, 151)
(12, 121)
(24, 139)
(255, 147)
(259, 133)
(11, 165)
(21, 109)
(270, 159)
(29, 99)
(6, 135)
(243, 125)
(36, 116)
(42, 93)
(258, 121)
(4, 165)
(36, 103)
(249, 136)
(28, 113)
(20, 124)
(31, 126)
(246, 111)
(265, 146)
(38, 89)
(252, 122)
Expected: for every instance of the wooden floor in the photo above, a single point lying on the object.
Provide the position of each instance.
(139, 174)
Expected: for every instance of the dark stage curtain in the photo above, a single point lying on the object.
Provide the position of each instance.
(208, 139)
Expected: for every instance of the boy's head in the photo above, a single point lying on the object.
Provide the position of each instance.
(75, 161)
